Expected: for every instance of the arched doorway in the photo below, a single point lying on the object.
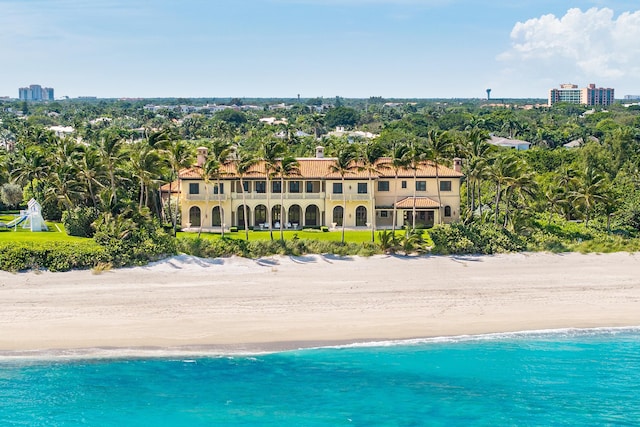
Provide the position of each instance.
(311, 215)
(276, 213)
(361, 216)
(216, 218)
(241, 217)
(293, 217)
(194, 216)
(338, 216)
(260, 215)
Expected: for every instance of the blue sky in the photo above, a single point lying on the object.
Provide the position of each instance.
(350, 48)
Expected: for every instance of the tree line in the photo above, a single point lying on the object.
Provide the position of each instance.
(120, 154)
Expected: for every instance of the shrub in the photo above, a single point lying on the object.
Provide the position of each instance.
(53, 256)
(77, 222)
(225, 247)
(11, 195)
(461, 238)
(133, 238)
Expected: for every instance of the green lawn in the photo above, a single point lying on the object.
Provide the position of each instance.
(350, 236)
(56, 232)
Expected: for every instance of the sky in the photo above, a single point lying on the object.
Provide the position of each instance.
(318, 48)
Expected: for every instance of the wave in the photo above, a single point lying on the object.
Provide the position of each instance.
(190, 354)
(497, 336)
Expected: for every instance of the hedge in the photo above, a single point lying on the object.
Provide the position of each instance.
(225, 247)
(52, 256)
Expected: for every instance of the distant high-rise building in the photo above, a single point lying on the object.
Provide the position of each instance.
(590, 95)
(35, 93)
(48, 94)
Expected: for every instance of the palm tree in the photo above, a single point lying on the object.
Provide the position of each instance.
(554, 198)
(243, 161)
(512, 125)
(567, 179)
(272, 150)
(316, 121)
(591, 190)
(438, 148)
(145, 164)
(343, 164)
(475, 149)
(415, 156)
(31, 167)
(112, 153)
(90, 172)
(180, 156)
(502, 171)
(398, 160)
(219, 153)
(288, 166)
(63, 186)
(370, 155)
(522, 185)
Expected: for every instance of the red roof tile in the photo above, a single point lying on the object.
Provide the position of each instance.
(421, 202)
(174, 187)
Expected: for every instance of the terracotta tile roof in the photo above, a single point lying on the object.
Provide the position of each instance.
(311, 168)
(174, 187)
(421, 202)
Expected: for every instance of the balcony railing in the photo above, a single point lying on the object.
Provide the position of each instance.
(350, 197)
(276, 196)
(203, 197)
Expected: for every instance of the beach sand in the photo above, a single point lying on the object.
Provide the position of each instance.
(187, 304)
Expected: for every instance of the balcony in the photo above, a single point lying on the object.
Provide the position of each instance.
(249, 196)
(302, 196)
(350, 197)
(276, 196)
(203, 197)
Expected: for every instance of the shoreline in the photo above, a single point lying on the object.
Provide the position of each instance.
(184, 306)
(197, 352)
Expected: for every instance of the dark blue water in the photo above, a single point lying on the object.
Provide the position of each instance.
(562, 378)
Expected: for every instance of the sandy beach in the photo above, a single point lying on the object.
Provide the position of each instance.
(190, 304)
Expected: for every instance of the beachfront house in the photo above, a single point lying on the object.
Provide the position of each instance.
(315, 196)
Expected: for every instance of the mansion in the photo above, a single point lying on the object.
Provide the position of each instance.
(315, 196)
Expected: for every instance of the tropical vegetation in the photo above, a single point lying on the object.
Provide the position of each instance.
(103, 179)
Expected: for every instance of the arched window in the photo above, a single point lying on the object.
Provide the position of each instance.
(311, 215)
(447, 211)
(338, 215)
(216, 220)
(361, 216)
(194, 216)
(260, 215)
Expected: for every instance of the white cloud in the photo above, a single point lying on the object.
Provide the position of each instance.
(588, 44)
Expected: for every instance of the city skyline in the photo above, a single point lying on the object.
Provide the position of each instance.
(349, 48)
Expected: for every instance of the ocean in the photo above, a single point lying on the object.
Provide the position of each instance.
(552, 378)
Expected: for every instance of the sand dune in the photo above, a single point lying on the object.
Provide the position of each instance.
(289, 302)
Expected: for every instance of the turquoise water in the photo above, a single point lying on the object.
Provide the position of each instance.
(562, 378)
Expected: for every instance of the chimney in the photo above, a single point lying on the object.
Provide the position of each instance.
(202, 156)
(457, 164)
(319, 152)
